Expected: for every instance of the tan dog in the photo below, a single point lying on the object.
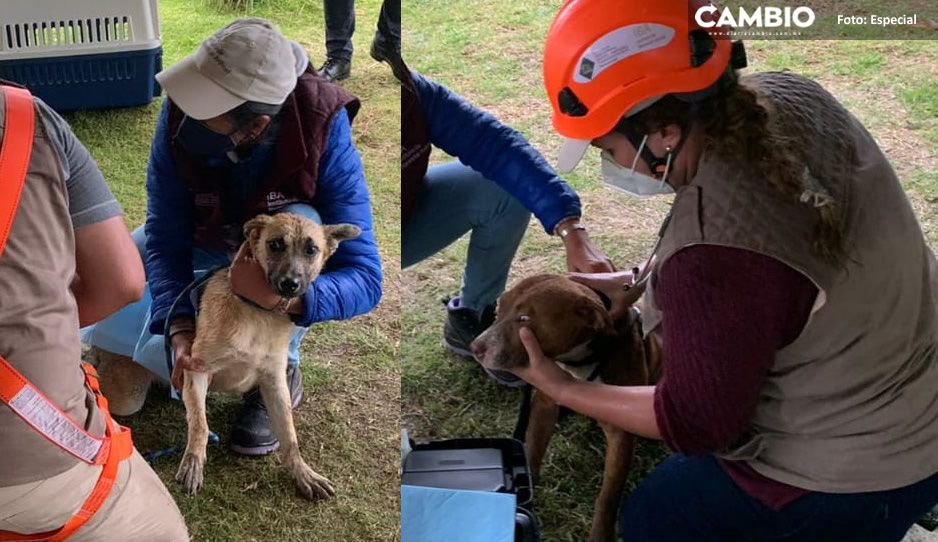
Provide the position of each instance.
(244, 346)
(574, 327)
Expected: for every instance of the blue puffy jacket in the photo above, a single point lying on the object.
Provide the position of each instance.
(498, 152)
(351, 280)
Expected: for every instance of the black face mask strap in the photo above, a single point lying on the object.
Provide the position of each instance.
(657, 164)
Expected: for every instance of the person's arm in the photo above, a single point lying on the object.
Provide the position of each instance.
(168, 228)
(720, 335)
(504, 156)
(630, 408)
(496, 151)
(726, 312)
(109, 273)
(351, 280)
(108, 270)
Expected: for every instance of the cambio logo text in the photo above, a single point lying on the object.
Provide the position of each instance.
(761, 17)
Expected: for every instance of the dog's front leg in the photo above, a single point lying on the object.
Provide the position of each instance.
(277, 398)
(619, 449)
(194, 391)
(541, 426)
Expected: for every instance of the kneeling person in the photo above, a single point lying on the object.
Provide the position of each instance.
(248, 128)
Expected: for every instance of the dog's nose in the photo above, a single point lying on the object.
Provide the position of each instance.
(288, 286)
(478, 349)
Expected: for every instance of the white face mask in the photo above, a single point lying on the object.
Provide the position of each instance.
(629, 181)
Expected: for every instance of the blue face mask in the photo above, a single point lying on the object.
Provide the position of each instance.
(197, 139)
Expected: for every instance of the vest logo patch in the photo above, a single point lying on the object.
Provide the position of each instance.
(276, 200)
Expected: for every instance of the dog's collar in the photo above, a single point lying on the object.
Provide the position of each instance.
(251, 303)
(279, 309)
(601, 349)
(607, 302)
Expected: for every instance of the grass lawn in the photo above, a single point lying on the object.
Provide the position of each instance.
(348, 423)
(490, 52)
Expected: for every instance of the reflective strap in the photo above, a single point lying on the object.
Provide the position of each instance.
(15, 151)
(36, 410)
(117, 447)
(40, 413)
(44, 416)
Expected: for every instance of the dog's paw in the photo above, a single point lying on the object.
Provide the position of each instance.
(190, 472)
(311, 484)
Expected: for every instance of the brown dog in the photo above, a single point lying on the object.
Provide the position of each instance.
(243, 345)
(574, 327)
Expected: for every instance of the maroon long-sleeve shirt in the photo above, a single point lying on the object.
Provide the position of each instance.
(726, 311)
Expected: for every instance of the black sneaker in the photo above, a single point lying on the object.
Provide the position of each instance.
(382, 51)
(251, 433)
(336, 69)
(462, 327)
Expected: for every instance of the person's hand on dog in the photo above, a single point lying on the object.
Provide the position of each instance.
(583, 256)
(612, 285)
(248, 280)
(185, 361)
(541, 372)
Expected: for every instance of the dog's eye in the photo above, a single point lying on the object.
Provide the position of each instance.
(311, 249)
(276, 245)
(524, 318)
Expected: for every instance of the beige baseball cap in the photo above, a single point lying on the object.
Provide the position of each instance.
(248, 60)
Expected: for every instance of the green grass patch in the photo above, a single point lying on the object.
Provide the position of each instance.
(921, 101)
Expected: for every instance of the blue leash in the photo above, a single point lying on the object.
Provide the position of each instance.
(173, 450)
(167, 344)
(170, 362)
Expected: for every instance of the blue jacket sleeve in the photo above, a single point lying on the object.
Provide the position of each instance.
(168, 260)
(351, 281)
(498, 152)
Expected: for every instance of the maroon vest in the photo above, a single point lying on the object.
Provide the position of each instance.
(415, 147)
(304, 126)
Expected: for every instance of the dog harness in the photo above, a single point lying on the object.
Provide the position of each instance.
(16, 392)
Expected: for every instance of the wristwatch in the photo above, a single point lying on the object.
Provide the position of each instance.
(564, 231)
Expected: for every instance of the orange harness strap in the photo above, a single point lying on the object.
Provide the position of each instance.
(15, 151)
(17, 393)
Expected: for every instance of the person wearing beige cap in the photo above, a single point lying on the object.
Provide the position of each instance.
(248, 128)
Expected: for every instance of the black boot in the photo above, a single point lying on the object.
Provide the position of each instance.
(251, 433)
(382, 51)
(336, 69)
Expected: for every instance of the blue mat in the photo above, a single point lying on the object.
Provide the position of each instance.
(430, 514)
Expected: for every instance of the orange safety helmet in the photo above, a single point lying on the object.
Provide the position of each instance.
(605, 59)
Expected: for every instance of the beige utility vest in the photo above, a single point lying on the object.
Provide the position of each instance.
(852, 404)
(39, 318)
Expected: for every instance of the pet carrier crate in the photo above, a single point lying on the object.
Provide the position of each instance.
(82, 54)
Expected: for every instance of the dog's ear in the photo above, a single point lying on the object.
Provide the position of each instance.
(595, 315)
(336, 233)
(253, 227)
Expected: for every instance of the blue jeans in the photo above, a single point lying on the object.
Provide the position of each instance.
(126, 332)
(692, 498)
(457, 199)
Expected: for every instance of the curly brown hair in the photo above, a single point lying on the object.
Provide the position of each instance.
(739, 130)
